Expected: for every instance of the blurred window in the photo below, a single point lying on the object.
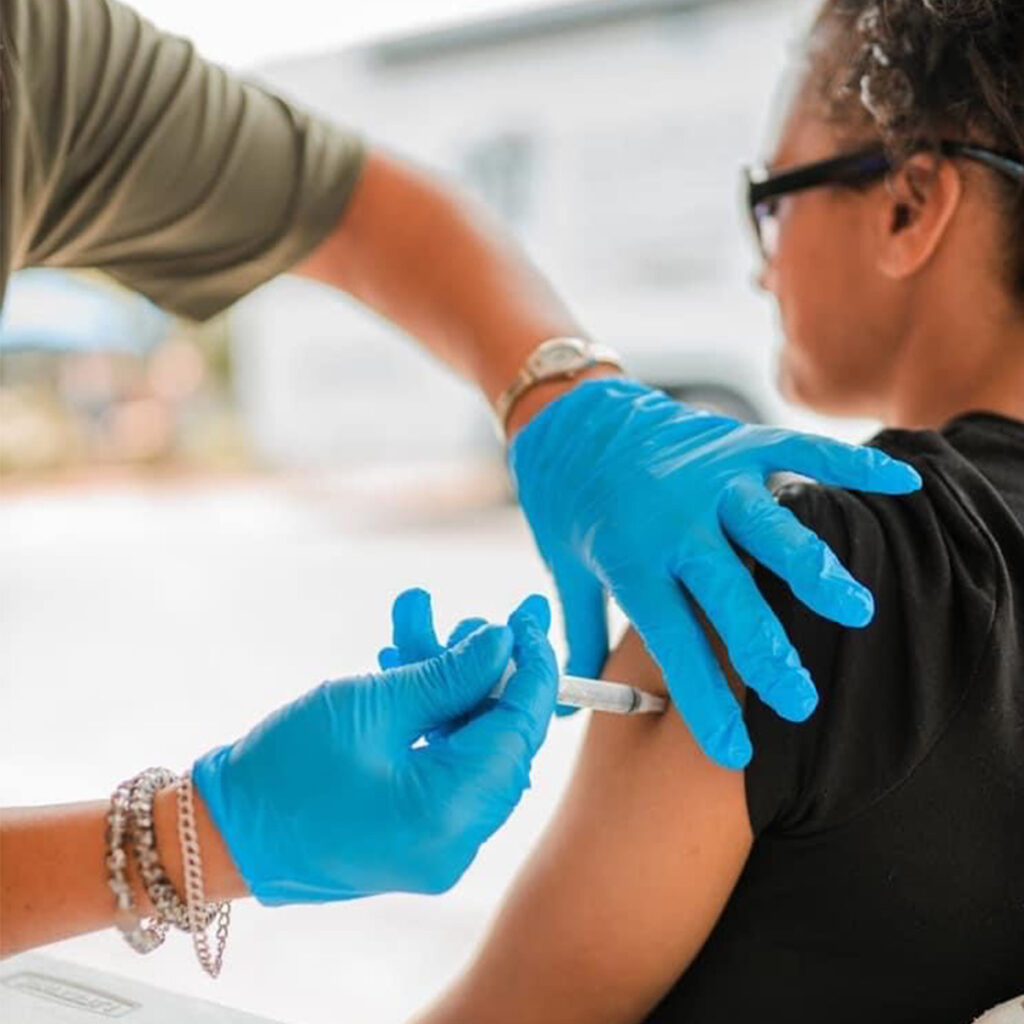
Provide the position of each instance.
(501, 169)
(654, 204)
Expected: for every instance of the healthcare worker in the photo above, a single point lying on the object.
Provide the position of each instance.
(123, 150)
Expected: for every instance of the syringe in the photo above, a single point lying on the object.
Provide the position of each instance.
(597, 695)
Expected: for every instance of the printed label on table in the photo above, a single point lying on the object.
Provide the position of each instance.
(58, 990)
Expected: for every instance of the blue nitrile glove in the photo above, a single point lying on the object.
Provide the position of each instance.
(327, 798)
(414, 638)
(629, 491)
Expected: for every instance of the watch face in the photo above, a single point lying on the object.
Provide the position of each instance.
(564, 355)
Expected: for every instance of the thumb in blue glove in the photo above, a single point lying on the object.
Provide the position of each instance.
(414, 637)
(329, 799)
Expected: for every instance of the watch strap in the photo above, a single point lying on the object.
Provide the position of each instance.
(554, 359)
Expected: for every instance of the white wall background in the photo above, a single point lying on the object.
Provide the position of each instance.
(619, 147)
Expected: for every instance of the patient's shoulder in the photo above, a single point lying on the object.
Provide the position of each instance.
(929, 561)
(631, 663)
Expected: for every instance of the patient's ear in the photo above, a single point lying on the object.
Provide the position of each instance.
(914, 213)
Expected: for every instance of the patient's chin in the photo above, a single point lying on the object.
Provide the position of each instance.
(791, 383)
(799, 385)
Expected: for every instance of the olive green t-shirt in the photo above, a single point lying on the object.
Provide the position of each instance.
(121, 149)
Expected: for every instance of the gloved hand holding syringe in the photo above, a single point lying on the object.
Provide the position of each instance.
(415, 640)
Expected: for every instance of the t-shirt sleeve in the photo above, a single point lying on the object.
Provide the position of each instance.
(887, 691)
(141, 159)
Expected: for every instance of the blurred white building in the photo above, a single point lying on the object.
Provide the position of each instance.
(610, 135)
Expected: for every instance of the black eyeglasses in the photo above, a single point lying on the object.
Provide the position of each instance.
(764, 190)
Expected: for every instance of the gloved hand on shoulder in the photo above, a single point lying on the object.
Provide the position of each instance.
(632, 493)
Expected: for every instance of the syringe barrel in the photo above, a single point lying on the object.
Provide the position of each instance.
(596, 694)
(579, 692)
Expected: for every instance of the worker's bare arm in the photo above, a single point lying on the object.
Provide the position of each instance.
(53, 880)
(625, 886)
(441, 267)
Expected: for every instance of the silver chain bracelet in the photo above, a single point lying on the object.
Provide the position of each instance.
(192, 870)
(168, 905)
(130, 820)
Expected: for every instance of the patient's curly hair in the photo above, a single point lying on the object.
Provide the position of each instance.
(917, 71)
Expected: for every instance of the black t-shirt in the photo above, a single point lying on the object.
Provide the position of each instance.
(886, 881)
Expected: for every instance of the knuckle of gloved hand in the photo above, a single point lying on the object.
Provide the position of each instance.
(509, 761)
(756, 512)
(453, 815)
(756, 640)
(442, 876)
(697, 560)
(439, 674)
(775, 437)
(515, 745)
(811, 559)
(771, 654)
(463, 663)
(661, 636)
(458, 836)
(321, 704)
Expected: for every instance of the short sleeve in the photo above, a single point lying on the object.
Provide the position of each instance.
(889, 690)
(137, 157)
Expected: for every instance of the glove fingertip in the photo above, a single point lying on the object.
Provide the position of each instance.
(467, 627)
(388, 658)
(731, 748)
(490, 647)
(793, 697)
(410, 605)
(858, 607)
(891, 476)
(535, 608)
(839, 597)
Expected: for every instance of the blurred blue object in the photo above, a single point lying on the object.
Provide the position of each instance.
(52, 310)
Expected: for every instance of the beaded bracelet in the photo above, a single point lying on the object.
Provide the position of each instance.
(131, 820)
(141, 934)
(168, 905)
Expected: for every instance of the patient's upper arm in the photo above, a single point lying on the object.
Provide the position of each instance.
(626, 884)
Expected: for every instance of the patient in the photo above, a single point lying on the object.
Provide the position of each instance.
(868, 866)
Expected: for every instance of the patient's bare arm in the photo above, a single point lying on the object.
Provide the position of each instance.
(626, 884)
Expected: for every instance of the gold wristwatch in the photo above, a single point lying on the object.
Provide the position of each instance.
(556, 359)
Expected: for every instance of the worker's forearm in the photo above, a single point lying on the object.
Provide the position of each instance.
(53, 875)
(442, 268)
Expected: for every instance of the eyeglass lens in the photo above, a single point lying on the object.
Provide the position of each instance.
(767, 220)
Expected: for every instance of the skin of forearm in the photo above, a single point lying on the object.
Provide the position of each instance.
(53, 875)
(440, 266)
